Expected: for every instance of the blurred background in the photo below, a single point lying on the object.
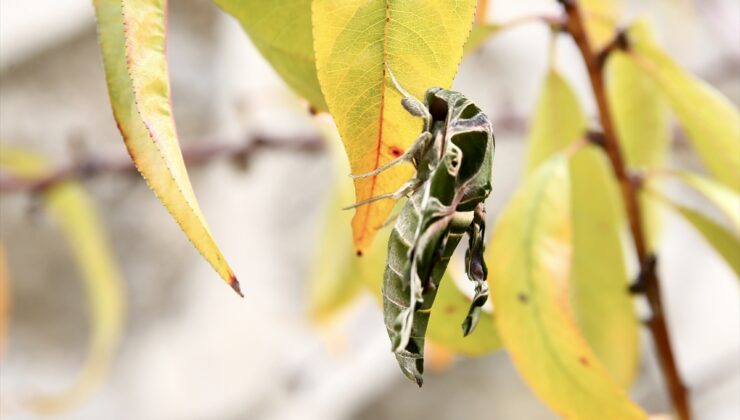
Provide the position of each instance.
(191, 349)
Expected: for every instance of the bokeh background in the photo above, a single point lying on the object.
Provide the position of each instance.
(191, 349)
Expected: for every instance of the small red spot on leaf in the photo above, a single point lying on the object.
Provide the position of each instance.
(583, 361)
(396, 151)
(359, 252)
(450, 309)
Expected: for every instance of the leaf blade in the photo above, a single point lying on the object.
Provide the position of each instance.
(77, 217)
(282, 32)
(354, 41)
(132, 34)
(710, 120)
(529, 257)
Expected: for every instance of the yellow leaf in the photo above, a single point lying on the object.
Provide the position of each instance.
(641, 121)
(354, 40)
(132, 37)
(336, 274)
(724, 242)
(603, 306)
(77, 217)
(599, 281)
(710, 120)
(281, 31)
(558, 121)
(530, 258)
(601, 21)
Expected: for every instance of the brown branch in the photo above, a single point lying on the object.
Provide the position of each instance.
(629, 187)
(194, 155)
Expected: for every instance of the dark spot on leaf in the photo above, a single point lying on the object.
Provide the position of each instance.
(522, 298)
(450, 309)
(583, 361)
(396, 151)
(359, 253)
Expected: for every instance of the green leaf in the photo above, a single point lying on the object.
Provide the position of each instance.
(132, 37)
(710, 120)
(558, 121)
(641, 120)
(599, 281)
(76, 215)
(355, 41)
(530, 259)
(282, 32)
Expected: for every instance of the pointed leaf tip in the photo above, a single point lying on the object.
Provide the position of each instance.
(132, 38)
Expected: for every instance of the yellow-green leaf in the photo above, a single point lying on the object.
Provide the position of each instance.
(710, 120)
(599, 281)
(354, 40)
(76, 215)
(724, 242)
(641, 121)
(558, 121)
(601, 20)
(725, 199)
(444, 328)
(530, 258)
(132, 37)
(281, 31)
(480, 33)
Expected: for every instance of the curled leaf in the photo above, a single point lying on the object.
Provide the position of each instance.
(76, 215)
(530, 257)
(132, 37)
(355, 42)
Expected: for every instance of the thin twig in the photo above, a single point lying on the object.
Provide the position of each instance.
(194, 155)
(657, 324)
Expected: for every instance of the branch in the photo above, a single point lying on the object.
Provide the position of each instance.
(195, 155)
(629, 188)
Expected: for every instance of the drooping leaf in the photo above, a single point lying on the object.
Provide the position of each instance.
(711, 121)
(558, 121)
(4, 300)
(355, 41)
(724, 242)
(641, 121)
(132, 37)
(599, 281)
(76, 215)
(530, 258)
(724, 198)
(282, 32)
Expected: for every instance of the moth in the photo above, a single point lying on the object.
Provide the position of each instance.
(453, 157)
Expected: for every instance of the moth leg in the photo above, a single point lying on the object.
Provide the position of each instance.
(414, 106)
(407, 188)
(475, 267)
(416, 146)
